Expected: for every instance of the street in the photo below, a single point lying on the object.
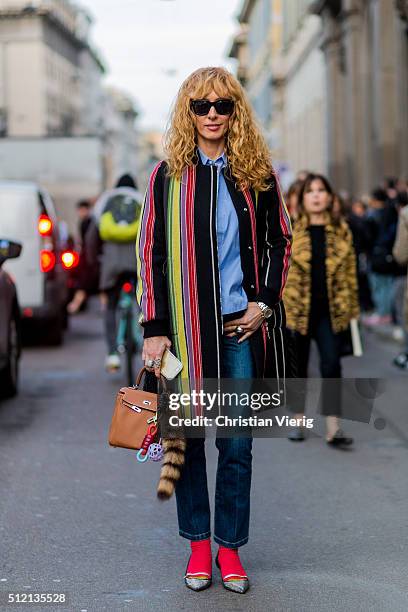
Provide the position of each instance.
(328, 527)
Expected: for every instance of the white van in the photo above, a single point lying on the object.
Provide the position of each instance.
(27, 215)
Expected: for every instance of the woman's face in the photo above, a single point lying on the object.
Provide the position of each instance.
(211, 127)
(316, 198)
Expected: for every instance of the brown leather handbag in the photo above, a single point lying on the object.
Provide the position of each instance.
(135, 410)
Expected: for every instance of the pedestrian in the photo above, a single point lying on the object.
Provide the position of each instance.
(357, 223)
(321, 296)
(400, 252)
(381, 227)
(113, 231)
(391, 188)
(292, 198)
(84, 274)
(359, 208)
(213, 256)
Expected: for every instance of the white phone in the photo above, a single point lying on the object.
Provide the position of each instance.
(170, 365)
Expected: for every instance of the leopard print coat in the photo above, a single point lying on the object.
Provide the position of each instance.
(341, 277)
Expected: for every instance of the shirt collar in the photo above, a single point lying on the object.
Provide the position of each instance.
(221, 161)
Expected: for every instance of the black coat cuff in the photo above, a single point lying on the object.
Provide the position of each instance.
(268, 297)
(156, 327)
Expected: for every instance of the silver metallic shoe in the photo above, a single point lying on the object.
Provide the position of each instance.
(197, 584)
(238, 586)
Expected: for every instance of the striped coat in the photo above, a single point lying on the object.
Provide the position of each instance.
(178, 276)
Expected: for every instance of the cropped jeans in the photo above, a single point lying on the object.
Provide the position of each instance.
(233, 479)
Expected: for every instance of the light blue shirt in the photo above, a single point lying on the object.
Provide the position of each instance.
(233, 296)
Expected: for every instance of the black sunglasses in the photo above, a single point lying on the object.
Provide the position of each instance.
(223, 106)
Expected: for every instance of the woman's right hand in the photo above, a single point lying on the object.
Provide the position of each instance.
(153, 348)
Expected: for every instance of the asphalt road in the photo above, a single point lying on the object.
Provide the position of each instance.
(328, 528)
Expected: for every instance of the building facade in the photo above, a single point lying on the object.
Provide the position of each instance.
(53, 103)
(50, 76)
(332, 93)
(282, 67)
(254, 47)
(365, 44)
(304, 119)
(122, 141)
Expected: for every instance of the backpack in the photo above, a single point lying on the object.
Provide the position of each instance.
(120, 218)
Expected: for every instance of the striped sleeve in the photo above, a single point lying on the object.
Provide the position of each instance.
(277, 246)
(151, 292)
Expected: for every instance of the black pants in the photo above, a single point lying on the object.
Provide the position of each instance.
(110, 318)
(113, 295)
(328, 345)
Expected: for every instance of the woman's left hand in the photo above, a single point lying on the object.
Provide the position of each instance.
(250, 322)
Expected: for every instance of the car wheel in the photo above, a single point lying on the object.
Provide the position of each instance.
(9, 374)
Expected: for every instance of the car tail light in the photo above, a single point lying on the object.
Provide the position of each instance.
(70, 259)
(45, 225)
(127, 287)
(47, 261)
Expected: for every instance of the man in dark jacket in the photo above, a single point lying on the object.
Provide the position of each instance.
(116, 219)
(382, 222)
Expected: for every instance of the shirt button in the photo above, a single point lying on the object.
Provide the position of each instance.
(250, 248)
(245, 209)
(252, 286)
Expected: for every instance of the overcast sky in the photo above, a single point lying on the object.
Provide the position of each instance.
(150, 46)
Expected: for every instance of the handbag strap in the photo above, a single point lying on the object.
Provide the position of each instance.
(142, 372)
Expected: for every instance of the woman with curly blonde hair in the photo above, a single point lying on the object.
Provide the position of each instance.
(213, 256)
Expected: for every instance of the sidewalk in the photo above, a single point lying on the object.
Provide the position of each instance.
(326, 525)
(391, 333)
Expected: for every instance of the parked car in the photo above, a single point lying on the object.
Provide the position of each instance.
(27, 214)
(10, 323)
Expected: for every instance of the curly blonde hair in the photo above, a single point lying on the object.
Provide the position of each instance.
(246, 149)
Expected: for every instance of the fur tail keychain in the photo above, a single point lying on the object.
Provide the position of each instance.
(173, 454)
(173, 462)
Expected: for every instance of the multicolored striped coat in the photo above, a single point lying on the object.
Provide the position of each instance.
(178, 275)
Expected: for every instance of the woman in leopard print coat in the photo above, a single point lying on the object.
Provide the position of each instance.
(321, 295)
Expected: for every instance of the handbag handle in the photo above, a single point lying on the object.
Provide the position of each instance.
(140, 376)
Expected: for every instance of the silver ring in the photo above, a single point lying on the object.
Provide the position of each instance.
(149, 363)
(239, 329)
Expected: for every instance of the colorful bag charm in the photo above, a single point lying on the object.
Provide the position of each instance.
(142, 454)
(156, 451)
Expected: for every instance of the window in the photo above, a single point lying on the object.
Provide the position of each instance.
(259, 24)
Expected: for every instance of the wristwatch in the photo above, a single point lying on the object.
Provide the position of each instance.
(266, 311)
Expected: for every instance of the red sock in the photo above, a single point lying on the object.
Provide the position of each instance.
(230, 564)
(199, 565)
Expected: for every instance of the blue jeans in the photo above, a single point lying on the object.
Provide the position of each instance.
(382, 288)
(233, 481)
